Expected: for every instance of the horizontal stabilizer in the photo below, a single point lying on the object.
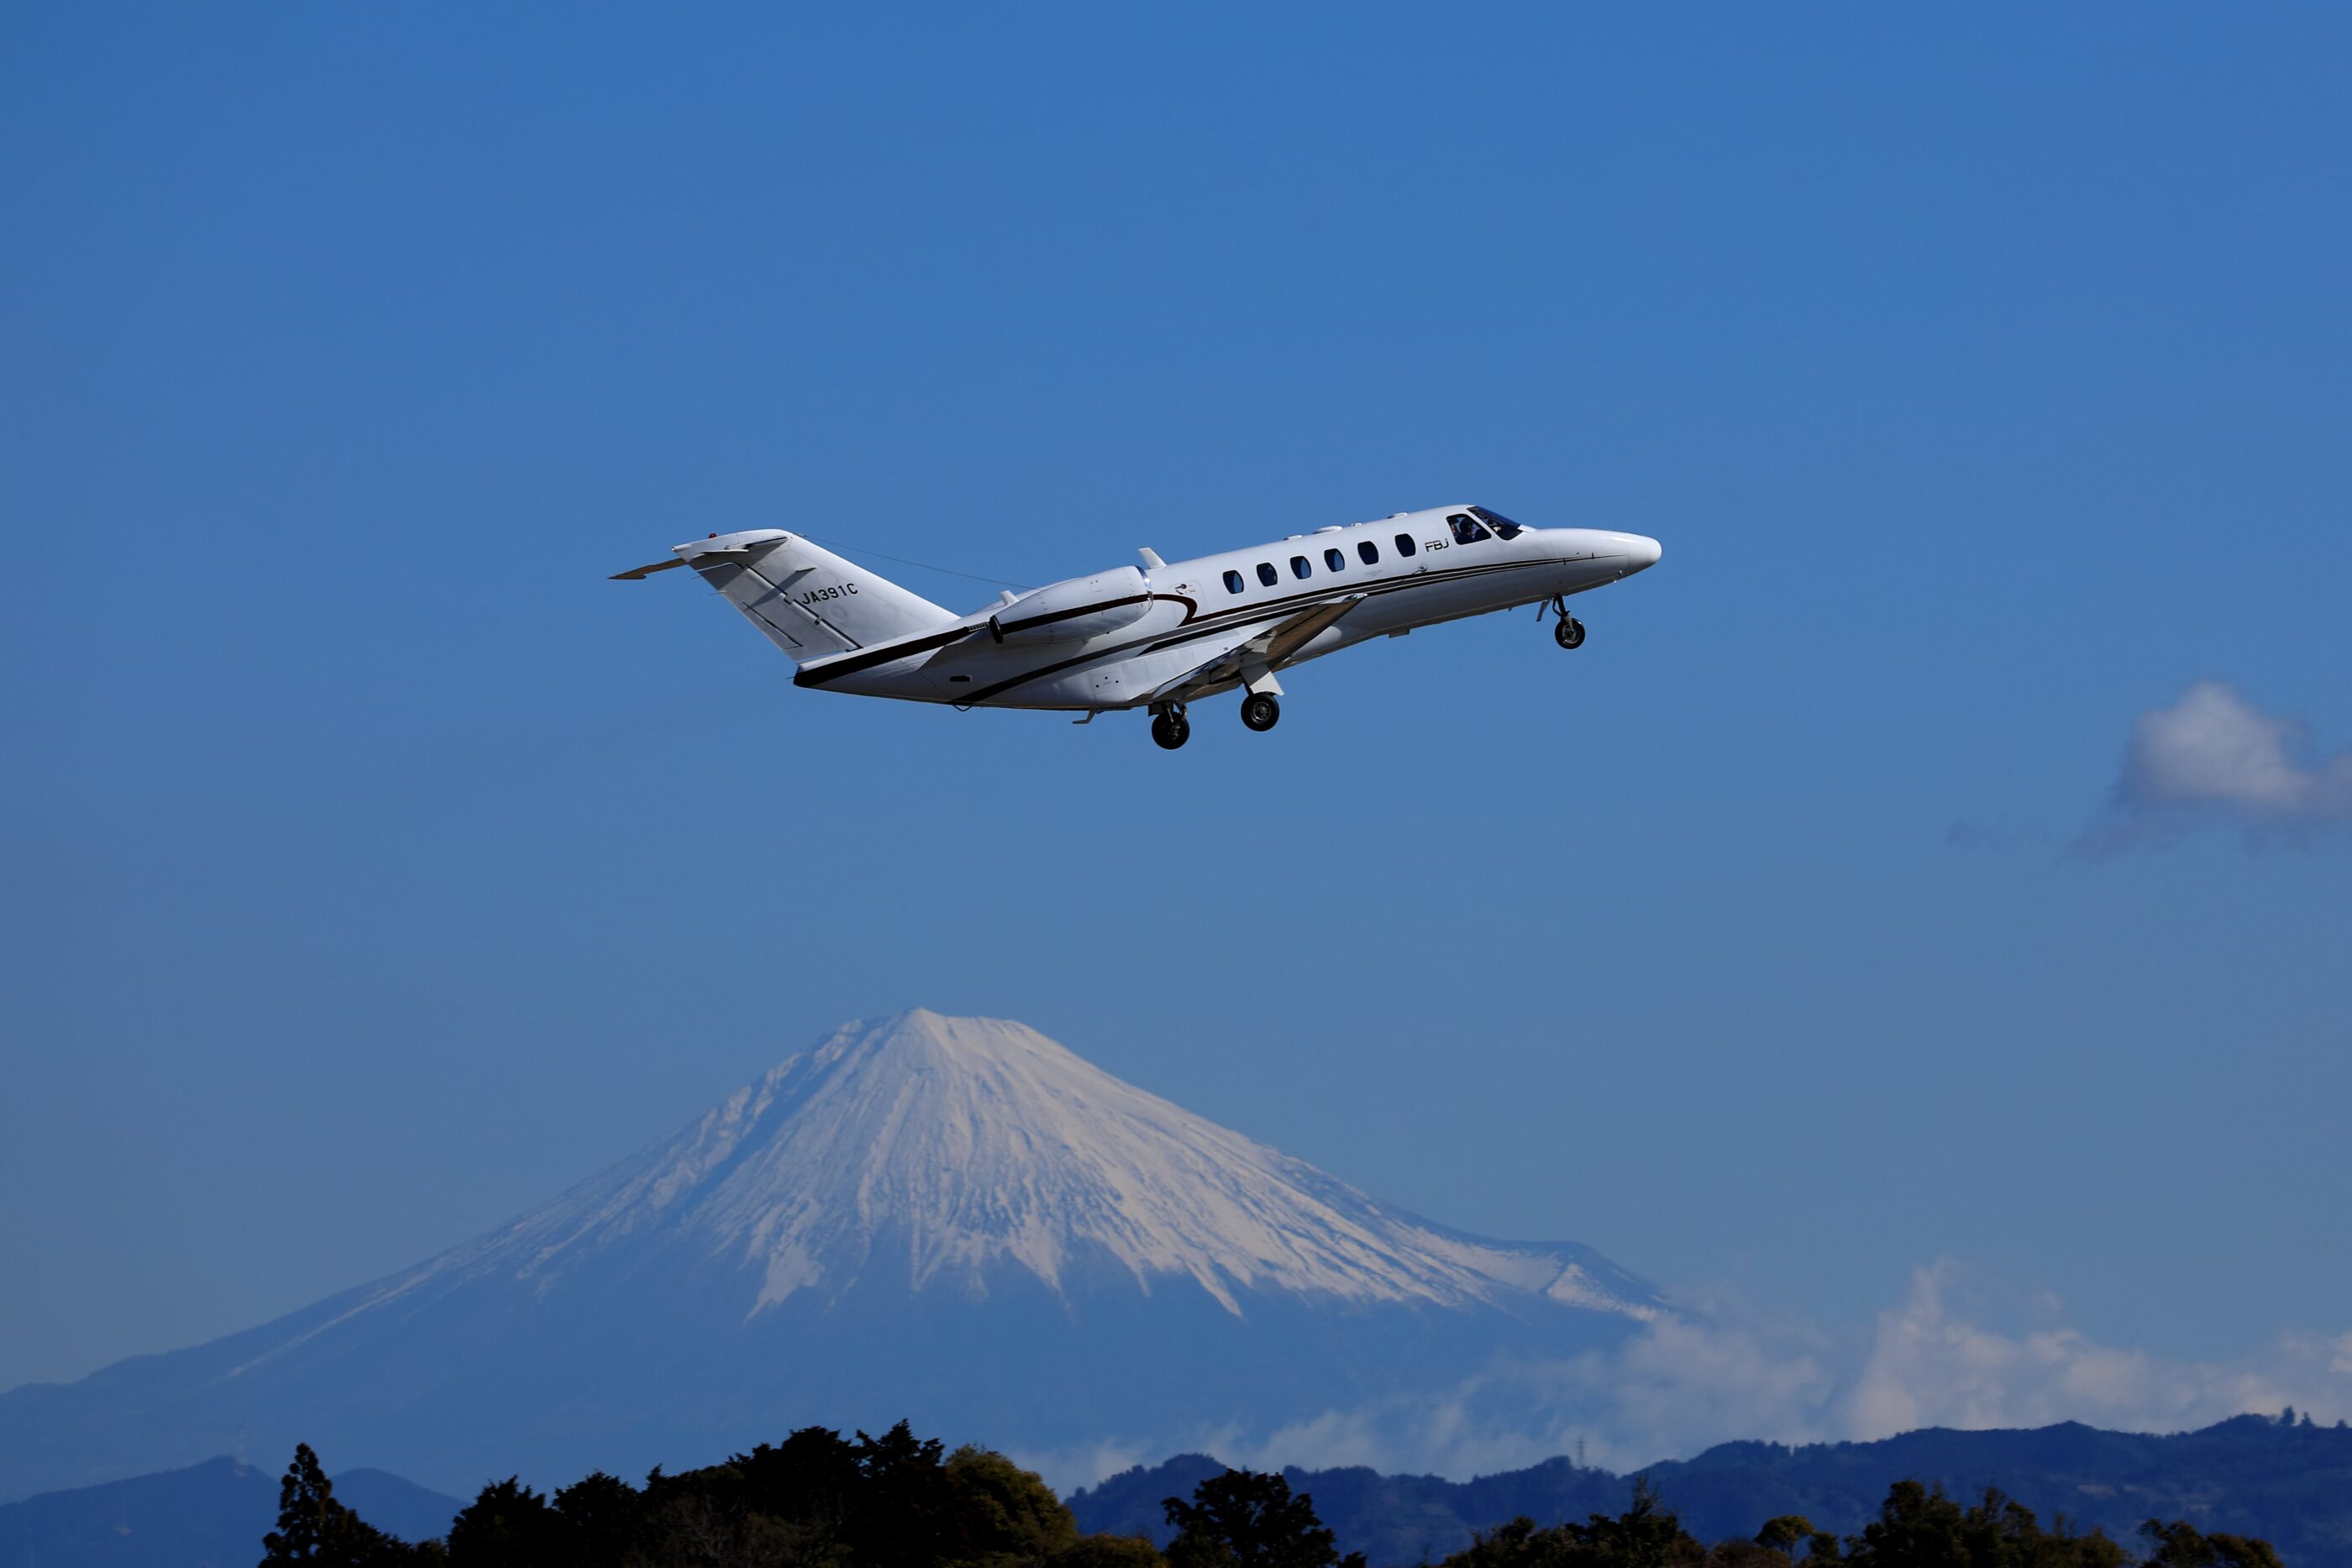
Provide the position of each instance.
(639, 573)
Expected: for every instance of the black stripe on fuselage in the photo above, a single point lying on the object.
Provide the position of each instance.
(889, 654)
(1007, 628)
(1230, 619)
(824, 673)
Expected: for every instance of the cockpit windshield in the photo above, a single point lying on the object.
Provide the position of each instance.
(1504, 527)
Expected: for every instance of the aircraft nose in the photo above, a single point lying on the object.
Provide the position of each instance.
(1641, 552)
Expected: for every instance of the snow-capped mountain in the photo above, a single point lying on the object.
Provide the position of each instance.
(955, 1219)
(977, 1144)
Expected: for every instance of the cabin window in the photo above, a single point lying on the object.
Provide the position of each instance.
(1368, 553)
(1504, 527)
(1405, 544)
(1232, 582)
(1467, 529)
(1266, 574)
(1335, 560)
(1299, 567)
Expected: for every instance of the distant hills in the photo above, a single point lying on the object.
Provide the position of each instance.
(211, 1515)
(2290, 1483)
(952, 1219)
(2287, 1483)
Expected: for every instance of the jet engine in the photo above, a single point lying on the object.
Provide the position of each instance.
(1074, 610)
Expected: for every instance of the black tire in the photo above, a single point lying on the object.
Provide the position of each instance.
(1169, 732)
(1568, 631)
(1260, 711)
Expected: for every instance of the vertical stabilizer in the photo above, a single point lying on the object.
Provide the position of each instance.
(806, 599)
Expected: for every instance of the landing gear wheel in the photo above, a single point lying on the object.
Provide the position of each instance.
(1568, 631)
(1171, 730)
(1259, 711)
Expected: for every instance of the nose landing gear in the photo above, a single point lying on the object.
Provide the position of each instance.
(1260, 711)
(1567, 631)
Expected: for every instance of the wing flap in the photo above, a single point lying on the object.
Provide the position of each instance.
(1270, 650)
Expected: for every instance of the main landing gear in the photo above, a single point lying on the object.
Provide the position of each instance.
(1170, 727)
(1567, 631)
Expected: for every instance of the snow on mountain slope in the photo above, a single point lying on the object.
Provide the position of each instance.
(954, 1220)
(978, 1143)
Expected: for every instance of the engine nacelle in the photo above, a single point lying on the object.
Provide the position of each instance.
(1074, 610)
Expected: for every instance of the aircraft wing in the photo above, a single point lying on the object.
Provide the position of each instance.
(1271, 649)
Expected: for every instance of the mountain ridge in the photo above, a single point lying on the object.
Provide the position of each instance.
(2249, 1475)
(953, 1219)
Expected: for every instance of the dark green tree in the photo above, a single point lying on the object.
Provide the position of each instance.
(1785, 1533)
(1010, 1517)
(906, 1515)
(1108, 1551)
(1919, 1527)
(1646, 1535)
(1517, 1542)
(314, 1528)
(2180, 1546)
(1246, 1519)
(509, 1525)
(1520, 1544)
(811, 1477)
(1916, 1527)
(600, 1519)
(1740, 1552)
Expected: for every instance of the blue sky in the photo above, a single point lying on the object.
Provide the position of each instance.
(372, 868)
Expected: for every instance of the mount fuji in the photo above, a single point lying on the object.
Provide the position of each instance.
(955, 1220)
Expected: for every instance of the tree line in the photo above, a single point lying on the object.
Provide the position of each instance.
(820, 1501)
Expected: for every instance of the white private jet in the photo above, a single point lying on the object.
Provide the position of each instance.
(1163, 636)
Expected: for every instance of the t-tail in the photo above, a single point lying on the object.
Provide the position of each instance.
(806, 600)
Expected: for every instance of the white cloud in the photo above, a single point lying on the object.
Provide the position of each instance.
(1927, 1367)
(1677, 1387)
(2213, 755)
(1683, 1385)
